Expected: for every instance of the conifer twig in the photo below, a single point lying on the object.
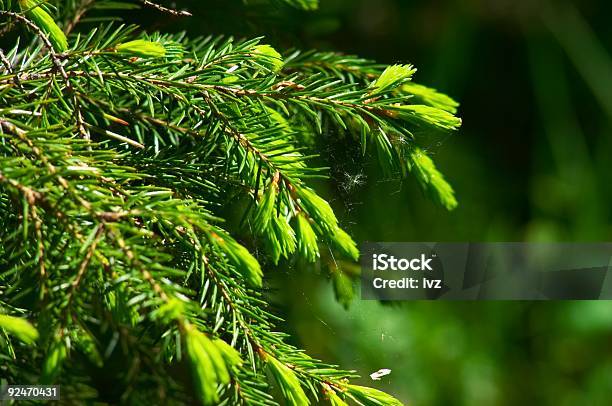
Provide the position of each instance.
(121, 156)
(182, 13)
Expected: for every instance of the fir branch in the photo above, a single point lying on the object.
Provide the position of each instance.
(159, 7)
(57, 64)
(117, 155)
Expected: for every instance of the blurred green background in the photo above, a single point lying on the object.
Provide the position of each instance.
(534, 79)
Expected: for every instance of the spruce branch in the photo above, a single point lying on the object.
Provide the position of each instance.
(56, 38)
(120, 155)
(159, 7)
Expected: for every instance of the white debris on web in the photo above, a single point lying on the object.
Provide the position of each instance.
(379, 374)
(232, 69)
